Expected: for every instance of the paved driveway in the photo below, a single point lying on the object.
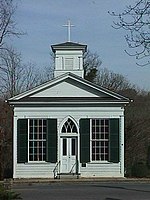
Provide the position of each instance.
(80, 191)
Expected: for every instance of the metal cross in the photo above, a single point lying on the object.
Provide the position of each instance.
(69, 25)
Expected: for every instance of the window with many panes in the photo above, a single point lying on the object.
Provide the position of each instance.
(37, 139)
(100, 139)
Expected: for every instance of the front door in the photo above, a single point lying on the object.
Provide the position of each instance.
(68, 154)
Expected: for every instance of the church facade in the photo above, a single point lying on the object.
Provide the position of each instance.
(68, 125)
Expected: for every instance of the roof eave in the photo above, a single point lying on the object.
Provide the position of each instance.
(73, 102)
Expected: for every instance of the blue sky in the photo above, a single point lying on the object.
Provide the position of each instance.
(43, 20)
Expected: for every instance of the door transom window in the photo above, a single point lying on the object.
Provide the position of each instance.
(69, 127)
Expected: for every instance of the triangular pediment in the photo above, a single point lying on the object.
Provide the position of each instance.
(68, 86)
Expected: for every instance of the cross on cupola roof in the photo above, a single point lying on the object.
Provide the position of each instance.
(69, 25)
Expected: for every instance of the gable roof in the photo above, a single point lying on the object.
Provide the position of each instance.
(76, 90)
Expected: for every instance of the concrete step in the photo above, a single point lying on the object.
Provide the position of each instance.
(68, 176)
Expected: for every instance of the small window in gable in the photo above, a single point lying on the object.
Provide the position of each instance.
(69, 127)
(68, 63)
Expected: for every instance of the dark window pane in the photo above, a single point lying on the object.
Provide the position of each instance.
(35, 136)
(44, 144)
(30, 136)
(102, 150)
(30, 150)
(106, 143)
(97, 136)
(102, 136)
(31, 129)
(44, 157)
(97, 150)
(40, 144)
(64, 147)
(40, 150)
(93, 157)
(102, 129)
(30, 157)
(106, 150)
(35, 158)
(44, 136)
(97, 156)
(44, 150)
(40, 157)
(31, 122)
(35, 129)
(106, 157)
(93, 136)
(106, 122)
(40, 122)
(40, 136)
(97, 122)
(35, 122)
(63, 129)
(102, 157)
(44, 129)
(35, 150)
(93, 150)
(107, 129)
(106, 135)
(73, 147)
(74, 129)
(97, 143)
(40, 129)
(93, 122)
(97, 129)
(102, 122)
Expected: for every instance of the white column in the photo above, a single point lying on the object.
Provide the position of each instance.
(14, 146)
(122, 145)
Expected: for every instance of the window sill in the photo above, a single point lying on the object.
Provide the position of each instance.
(36, 162)
(100, 162)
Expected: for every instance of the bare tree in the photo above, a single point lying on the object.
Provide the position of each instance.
(137, 128)
(112, 81)
(31, 77)
(92, 63)
(7, 22)
(135, 20)
(10, 71)
(14, 76)
(48, 71)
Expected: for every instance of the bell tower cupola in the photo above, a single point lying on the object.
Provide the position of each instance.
(69, 58)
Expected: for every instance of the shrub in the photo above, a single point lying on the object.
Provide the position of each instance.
(7, 194)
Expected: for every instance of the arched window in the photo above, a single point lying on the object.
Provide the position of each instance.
(69, 127)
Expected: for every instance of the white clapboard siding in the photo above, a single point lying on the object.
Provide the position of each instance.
(101, 170)
(39, 170)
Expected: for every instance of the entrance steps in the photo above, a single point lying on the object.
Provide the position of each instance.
(68, 176)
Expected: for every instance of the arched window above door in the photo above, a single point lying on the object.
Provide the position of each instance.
(69, 127)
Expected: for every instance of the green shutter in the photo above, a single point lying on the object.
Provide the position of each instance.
(22, 140)
(51, 141)
(84, 140)
(114, 141)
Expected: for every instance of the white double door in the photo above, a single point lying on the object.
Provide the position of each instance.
(68, 155)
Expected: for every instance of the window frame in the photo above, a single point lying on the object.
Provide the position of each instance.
(98, 161)
(40, 140)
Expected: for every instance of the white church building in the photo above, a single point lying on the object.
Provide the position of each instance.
(68, 125)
